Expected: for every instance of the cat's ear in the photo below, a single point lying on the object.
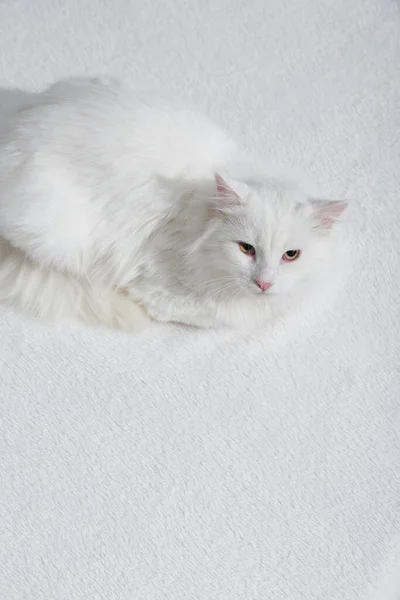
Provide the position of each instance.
(326, 213)
(226, 200)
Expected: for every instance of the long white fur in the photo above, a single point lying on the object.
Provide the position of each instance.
(110, 213)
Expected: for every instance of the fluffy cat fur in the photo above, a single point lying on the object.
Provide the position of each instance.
(118, 208)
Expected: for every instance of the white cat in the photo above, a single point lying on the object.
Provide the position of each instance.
(118, 208)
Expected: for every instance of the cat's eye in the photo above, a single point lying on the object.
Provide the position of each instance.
(291, 255)
(247, 248)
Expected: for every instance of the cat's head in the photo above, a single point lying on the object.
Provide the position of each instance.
(265, 239)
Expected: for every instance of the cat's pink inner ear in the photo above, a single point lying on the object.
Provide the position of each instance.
(327, 212)
(227, 197)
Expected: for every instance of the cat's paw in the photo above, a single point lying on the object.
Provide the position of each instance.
(128, 315)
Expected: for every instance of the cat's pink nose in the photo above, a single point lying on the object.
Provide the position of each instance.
(263, 285)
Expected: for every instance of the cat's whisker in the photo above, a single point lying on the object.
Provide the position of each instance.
(222, 291)
(213, 283)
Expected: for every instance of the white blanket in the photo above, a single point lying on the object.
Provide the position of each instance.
(187, 465)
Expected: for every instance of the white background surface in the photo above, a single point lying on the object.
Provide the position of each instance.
(187, 465)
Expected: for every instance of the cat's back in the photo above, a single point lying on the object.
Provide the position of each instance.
(106, 125)
(80, 167)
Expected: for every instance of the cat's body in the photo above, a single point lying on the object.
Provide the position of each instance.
(116, 206)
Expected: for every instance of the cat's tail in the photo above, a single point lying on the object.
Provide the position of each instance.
(53, 295)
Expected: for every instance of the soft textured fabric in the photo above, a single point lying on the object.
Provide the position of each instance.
(188, 465)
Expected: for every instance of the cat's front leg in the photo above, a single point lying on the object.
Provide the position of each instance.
(178, 309)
